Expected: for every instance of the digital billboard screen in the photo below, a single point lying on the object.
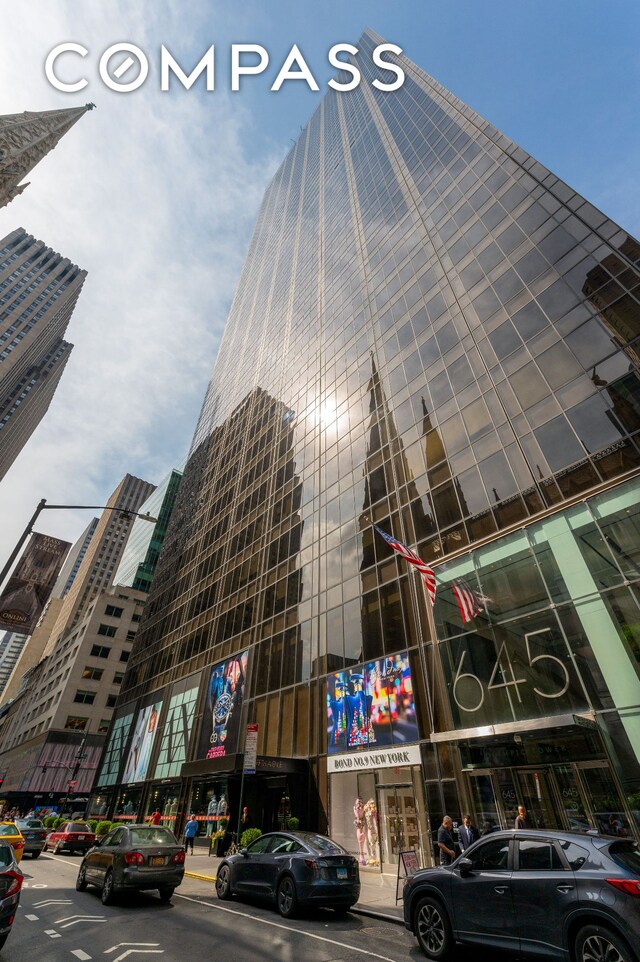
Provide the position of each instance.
(371, 705)
(142, 743)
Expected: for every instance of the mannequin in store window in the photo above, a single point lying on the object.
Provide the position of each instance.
(361, 828)
(212, 812)
(371, 819)
(223, 806)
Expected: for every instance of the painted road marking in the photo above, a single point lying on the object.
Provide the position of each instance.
(32, 918)
(121, 945)
(52, 934)
(279, 925)
(74, 919)
(39, 905)
(79, 954)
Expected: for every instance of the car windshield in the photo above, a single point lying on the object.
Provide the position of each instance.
(78, 827)
(9, 829)
(323, 845)
(627, 855)
(152, 836)
(6, 854)
(29, 823)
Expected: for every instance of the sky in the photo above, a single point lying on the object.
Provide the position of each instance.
(155, 193)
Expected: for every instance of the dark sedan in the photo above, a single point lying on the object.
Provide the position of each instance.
(292, 868)
(34, 834)
(133, 857)
(11, 879)
(560, 895)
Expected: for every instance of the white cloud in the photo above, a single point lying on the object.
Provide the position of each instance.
(155, 195)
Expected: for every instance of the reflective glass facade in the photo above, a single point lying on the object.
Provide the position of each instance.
(434, 333)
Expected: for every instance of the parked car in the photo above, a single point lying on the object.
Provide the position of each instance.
(11, 879)
(133, 857)
(563, 895)
(9, 832)
(34, 834)
(292, 869)
(71, 837)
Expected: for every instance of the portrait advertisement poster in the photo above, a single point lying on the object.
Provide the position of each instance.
(223, 707)
(31, 583)
(142, 744)
(371, 705)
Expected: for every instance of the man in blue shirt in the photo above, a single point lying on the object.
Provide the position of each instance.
(190, 832)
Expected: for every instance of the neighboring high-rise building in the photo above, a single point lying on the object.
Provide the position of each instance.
(73, 561)
(11, 648)
(140, 557)
(103, 554)
(435, 334)
(38, 293)
(25, 139)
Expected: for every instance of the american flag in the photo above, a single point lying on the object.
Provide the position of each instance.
(426, 572)
(468, 601)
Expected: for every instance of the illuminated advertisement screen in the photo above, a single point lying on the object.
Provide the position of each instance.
(371, 705)
(142, 744)
(221, 717)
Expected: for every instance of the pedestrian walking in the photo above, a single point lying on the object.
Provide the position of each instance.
(445, 841)
(521, 818)
(467, 833)
(190, 832)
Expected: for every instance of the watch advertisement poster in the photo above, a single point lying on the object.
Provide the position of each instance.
(223, 707)
(371, 705)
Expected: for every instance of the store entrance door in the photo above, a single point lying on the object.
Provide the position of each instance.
(399, 825)
(536, 796)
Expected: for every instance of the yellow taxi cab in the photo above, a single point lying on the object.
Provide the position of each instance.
(9, 832)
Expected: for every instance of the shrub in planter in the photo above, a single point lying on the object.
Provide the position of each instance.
(58, 822)
(102, 828)
(50, 821)
(249, 835)
(92, 823)
(293, 823)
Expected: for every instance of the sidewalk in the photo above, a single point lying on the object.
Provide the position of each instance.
(377, 892)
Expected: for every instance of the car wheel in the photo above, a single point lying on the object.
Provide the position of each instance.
(106, 895)
(341, 910)
(3, 939)
(433, 930)
(81, 881)
(35, 855)
(286, 897)
(597, 943)
(223, 883)
(166, 892)
(57, 849)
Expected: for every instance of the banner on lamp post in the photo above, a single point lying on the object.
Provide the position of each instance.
(31, 583)
(251, 749)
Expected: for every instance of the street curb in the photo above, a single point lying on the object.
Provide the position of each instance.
(371, 913)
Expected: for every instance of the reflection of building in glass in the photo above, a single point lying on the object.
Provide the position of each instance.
(419, 340)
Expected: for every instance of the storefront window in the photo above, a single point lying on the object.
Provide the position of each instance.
(210, 805)
(128, 805)
(164, 799)
(98, 806)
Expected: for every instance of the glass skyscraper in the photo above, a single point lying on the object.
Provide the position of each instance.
(435, 334)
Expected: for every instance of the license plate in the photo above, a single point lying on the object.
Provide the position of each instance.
(81, 838)
(159, 860)
(341, 873)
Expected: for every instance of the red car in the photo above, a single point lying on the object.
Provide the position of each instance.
(71, 837)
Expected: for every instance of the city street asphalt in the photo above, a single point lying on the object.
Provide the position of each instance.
(57, 924)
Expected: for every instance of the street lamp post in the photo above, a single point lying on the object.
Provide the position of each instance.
(43, 506)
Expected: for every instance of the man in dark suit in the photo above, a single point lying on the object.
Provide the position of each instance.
(467, 833)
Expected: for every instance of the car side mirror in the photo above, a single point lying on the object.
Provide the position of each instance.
(98, 841)
(466, 866)
(243, 851)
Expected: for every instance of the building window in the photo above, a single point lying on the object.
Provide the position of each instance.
(95, 674)
(111, 701)
(107, 630)
(113, 612)
(125, 656)
(85, 697)
(131, 635)
(103, 726)
(77, 724)
(136, 617)
(117, 678)
(100, 651)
